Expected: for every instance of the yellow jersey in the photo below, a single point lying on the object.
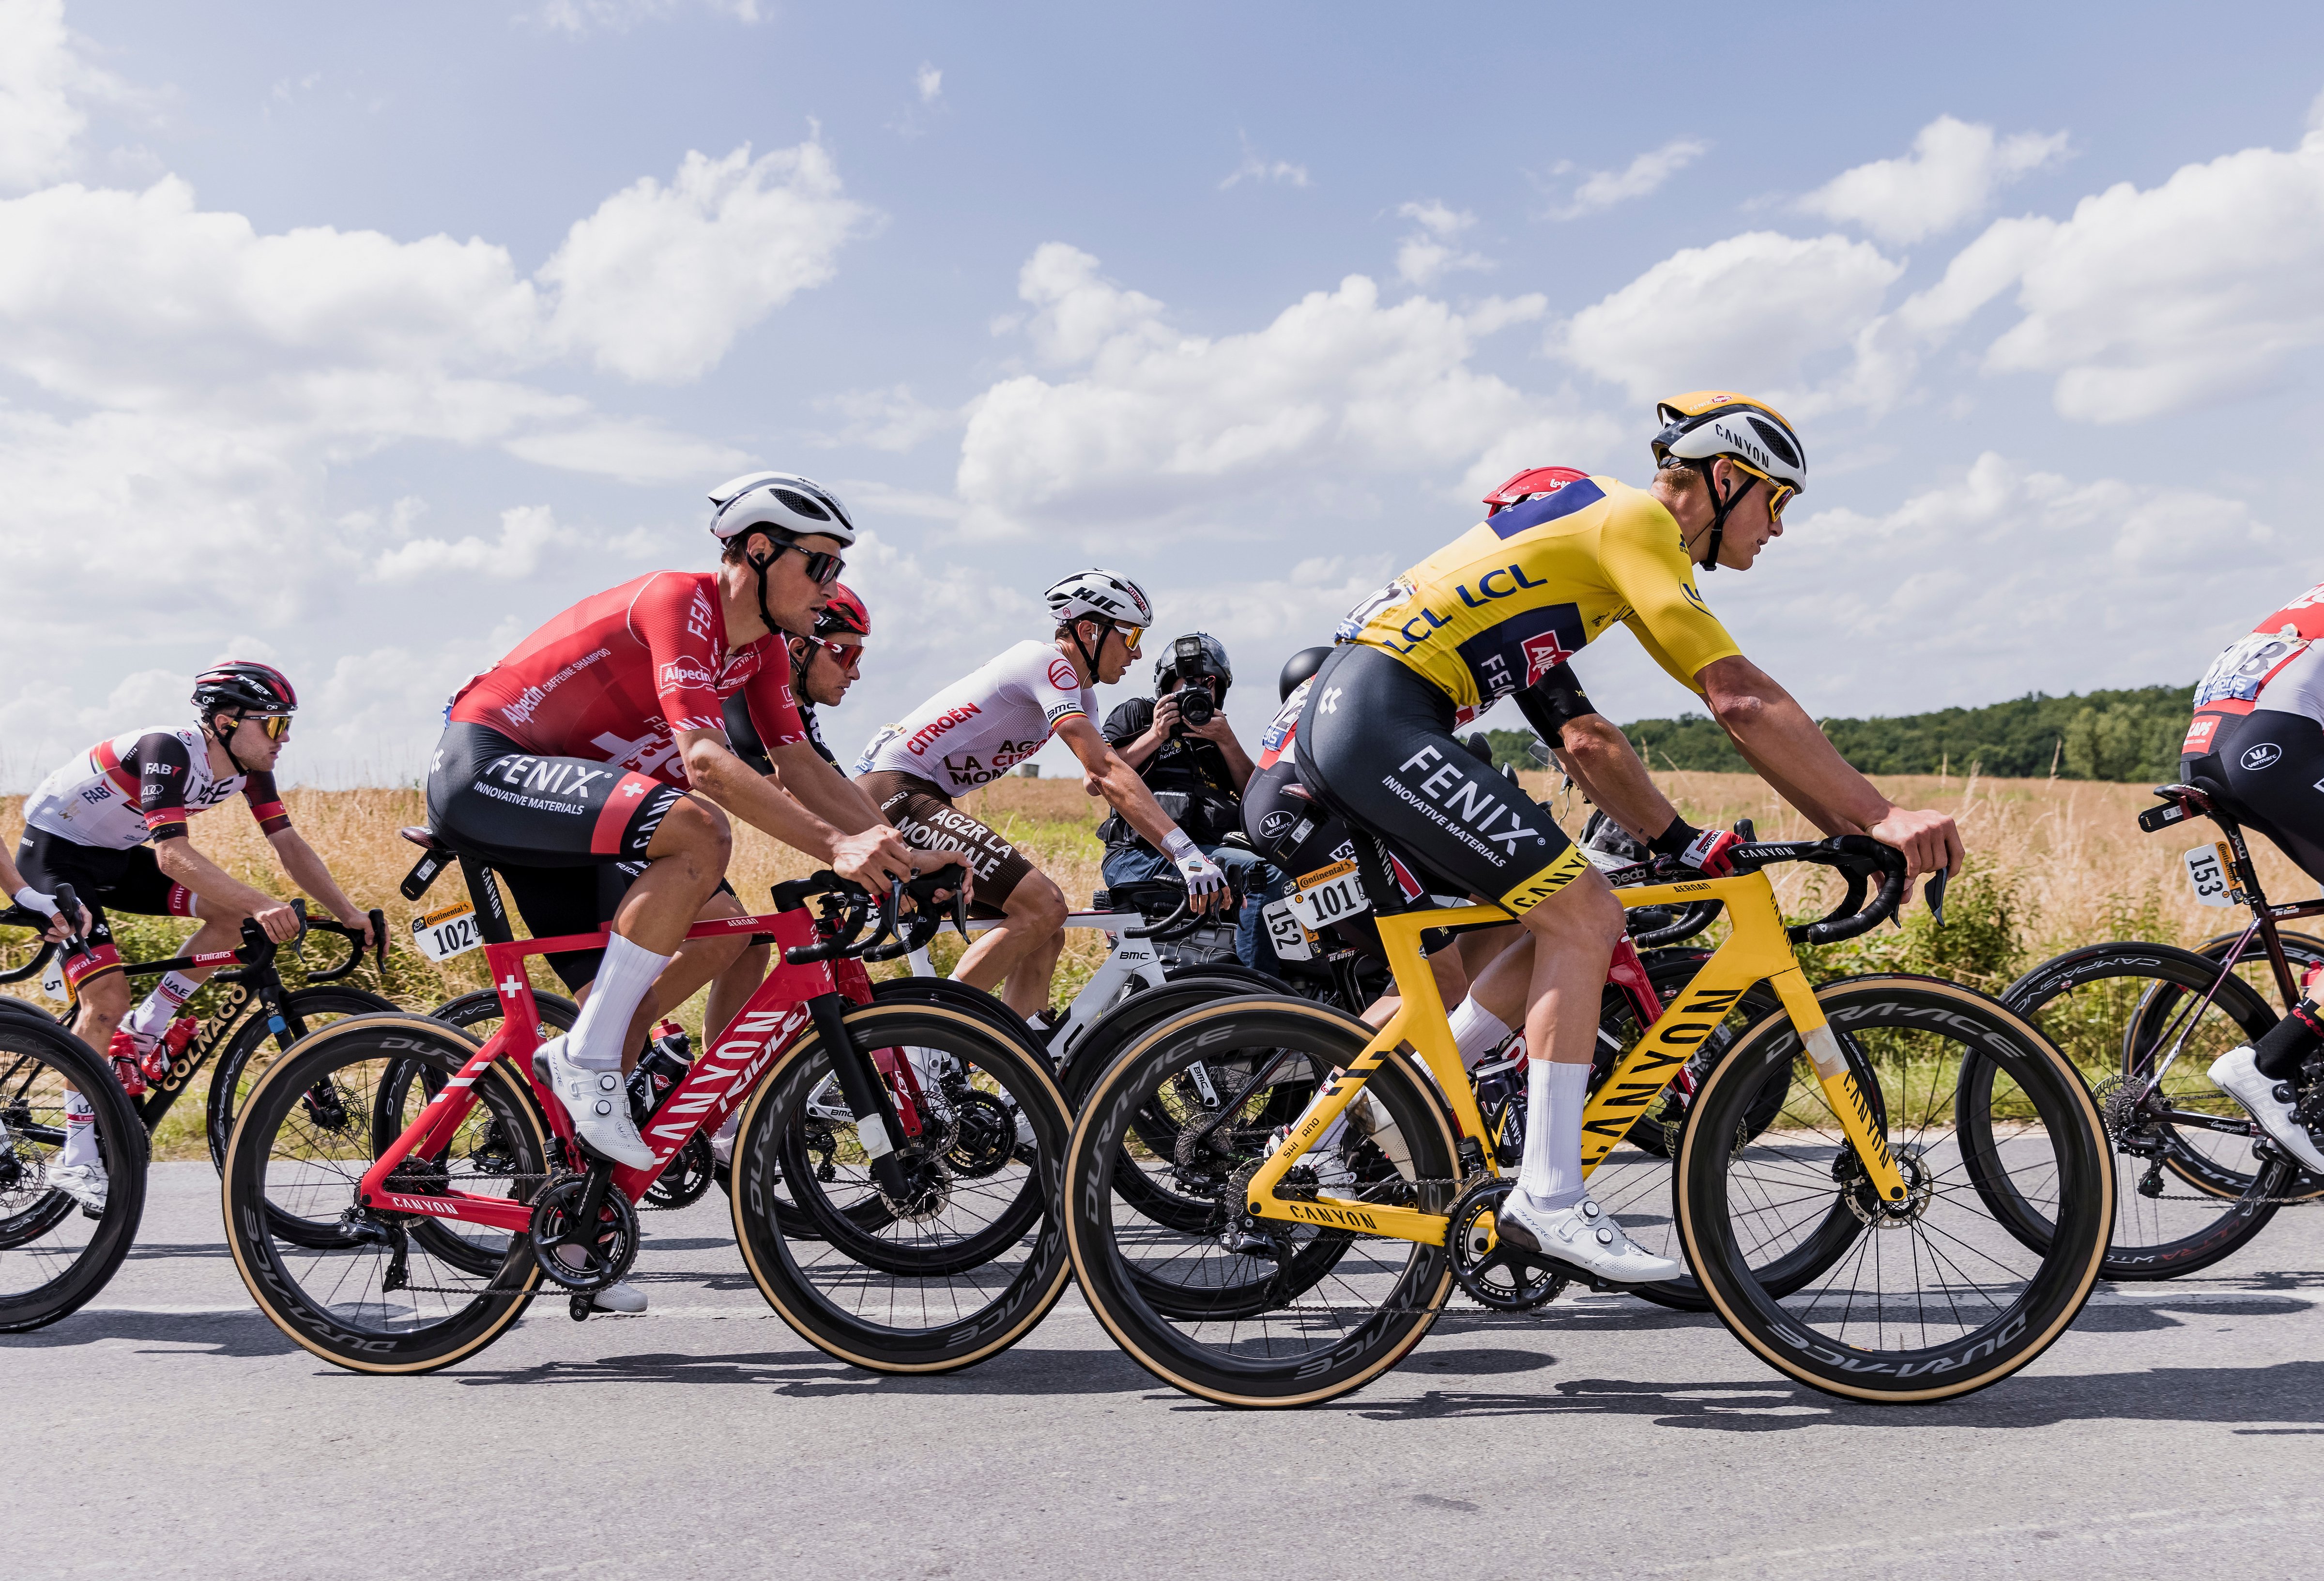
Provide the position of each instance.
(1527, 589)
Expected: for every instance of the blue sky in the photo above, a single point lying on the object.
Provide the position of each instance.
(366, 339)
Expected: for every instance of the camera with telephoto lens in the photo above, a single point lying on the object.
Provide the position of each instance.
(1198, 684)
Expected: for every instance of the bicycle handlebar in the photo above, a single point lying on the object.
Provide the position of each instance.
(378, 920)
(913, 933)
(1857, 857)
(68, 907)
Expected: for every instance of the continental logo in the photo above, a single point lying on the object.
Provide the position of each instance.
(1531, 892)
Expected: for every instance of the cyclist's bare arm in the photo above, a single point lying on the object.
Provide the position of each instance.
(1778, 738)
(872, 856)
(1604, 764)
(1110, 776)
(821, 789)
(178, 857)
(307, 870)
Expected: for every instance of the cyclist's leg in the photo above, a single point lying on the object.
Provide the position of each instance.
(1031, 909)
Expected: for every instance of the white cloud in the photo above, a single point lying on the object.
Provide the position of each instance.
(1257, 167)
(1950, 177)
(1432, 250)
(1755, 311)
(1602, 189)
(43, 78)
(660, 279)
(635, 452)
(892, 418)
(1154, 424)
(527, 531)
(929, 82)
(2202, 290)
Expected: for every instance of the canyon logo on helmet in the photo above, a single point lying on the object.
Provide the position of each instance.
(1704, 426)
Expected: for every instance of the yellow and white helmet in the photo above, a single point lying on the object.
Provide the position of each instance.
(1704, 425)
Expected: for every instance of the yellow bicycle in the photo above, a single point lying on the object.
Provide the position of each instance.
(1245, 1248)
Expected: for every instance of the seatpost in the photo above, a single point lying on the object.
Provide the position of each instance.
(876, 1124)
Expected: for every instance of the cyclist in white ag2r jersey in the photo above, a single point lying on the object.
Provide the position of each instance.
(981, 726)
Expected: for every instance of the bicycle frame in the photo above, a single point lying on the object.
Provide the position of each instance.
(1757, 950)
(1132, 960)
(719, 1083)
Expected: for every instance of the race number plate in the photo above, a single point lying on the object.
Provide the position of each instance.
(1291, 940)
(443, 934)
(2208, 871)
(1331, 895)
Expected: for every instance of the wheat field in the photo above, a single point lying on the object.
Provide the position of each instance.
(2053, 864)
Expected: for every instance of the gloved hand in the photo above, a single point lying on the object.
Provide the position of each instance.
(1206, 881)
(1706, 852)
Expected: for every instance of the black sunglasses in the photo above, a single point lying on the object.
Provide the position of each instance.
(822, 569)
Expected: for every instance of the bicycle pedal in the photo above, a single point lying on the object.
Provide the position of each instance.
(580, 1307)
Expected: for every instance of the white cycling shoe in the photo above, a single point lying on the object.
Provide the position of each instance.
(625, 1298)
(2269, 1101)
(1584, 1236)
(85, 1183)
(599, 1103)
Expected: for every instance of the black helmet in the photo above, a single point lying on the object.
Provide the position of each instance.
(246, 684)
(1165, 665)
(1298, 667)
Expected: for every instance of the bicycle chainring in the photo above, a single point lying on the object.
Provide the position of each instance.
(1494, 1272)
(984, 1134)
(604, 1255)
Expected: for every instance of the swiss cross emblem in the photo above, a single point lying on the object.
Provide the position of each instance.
(1544, 654)
(510, 986)
(634, 789)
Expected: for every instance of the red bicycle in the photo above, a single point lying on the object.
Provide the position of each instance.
(893, 1172)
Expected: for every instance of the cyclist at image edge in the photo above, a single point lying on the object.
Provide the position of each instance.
(600, 740)
(1496, 613)
(113, 824)
(979, 728)
(1203, 766)
(2258, 736)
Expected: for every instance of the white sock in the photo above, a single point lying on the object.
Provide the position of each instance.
(152, 1017)
(629, 969)
(1556, 1096)
(80, 1131)
(1476, 1030)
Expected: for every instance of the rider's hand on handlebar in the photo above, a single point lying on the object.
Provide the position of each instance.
(361, 924)
(59, 929)
(1206, 881)
(876, 859)
(281, 921)
(1929, 840)
(1707, 852)
(945, 856)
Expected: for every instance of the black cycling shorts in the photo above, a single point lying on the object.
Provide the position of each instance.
(488, 795)
(128, 880)
(2271, 764)
(1376, 743)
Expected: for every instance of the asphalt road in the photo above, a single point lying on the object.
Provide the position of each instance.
(170, 1430)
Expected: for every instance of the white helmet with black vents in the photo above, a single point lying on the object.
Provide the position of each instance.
(781, 502)
(1705, 426)
(1107, 596)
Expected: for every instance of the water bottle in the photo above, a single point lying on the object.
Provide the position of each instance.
(668, 1058)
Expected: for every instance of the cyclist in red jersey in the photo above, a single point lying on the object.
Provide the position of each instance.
(600, 740)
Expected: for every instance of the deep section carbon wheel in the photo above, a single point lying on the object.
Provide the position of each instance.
(54, 1256)
(1929, 1296)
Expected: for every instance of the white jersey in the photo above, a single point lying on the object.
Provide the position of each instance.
(143, 786)
(985, 724)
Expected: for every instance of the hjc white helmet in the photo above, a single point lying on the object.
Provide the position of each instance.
(1106, 595)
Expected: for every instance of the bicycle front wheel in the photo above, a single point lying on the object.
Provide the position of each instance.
(1247, 1311)
(382, 1298)
(53, 1255)
(1936, 1296)
(970, 1260)
(2143, 1023)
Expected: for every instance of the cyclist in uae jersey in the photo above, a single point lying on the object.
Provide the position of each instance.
(113, 824)
(1495, 613)
(976, 730)
(579, 749)
(2257, 742)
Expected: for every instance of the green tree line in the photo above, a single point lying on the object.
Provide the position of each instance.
(2125, 735)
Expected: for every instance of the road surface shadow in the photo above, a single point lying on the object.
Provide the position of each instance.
(1017, 1374)
(225, 1334)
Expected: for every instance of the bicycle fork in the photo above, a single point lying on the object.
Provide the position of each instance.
(877, 1124)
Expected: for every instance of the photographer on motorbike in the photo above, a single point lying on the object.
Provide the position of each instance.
(1181, 745)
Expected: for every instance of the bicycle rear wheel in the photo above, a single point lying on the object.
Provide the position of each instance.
(1243, 1311)
(385, 1299)
(1934, 1296)
(54, 1257)
(959, 1270)
(2124, 1013)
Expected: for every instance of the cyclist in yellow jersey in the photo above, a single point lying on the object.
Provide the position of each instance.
(1498, 612)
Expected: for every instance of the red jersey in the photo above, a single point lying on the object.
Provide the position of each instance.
(615, 677)
(2274, 667)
